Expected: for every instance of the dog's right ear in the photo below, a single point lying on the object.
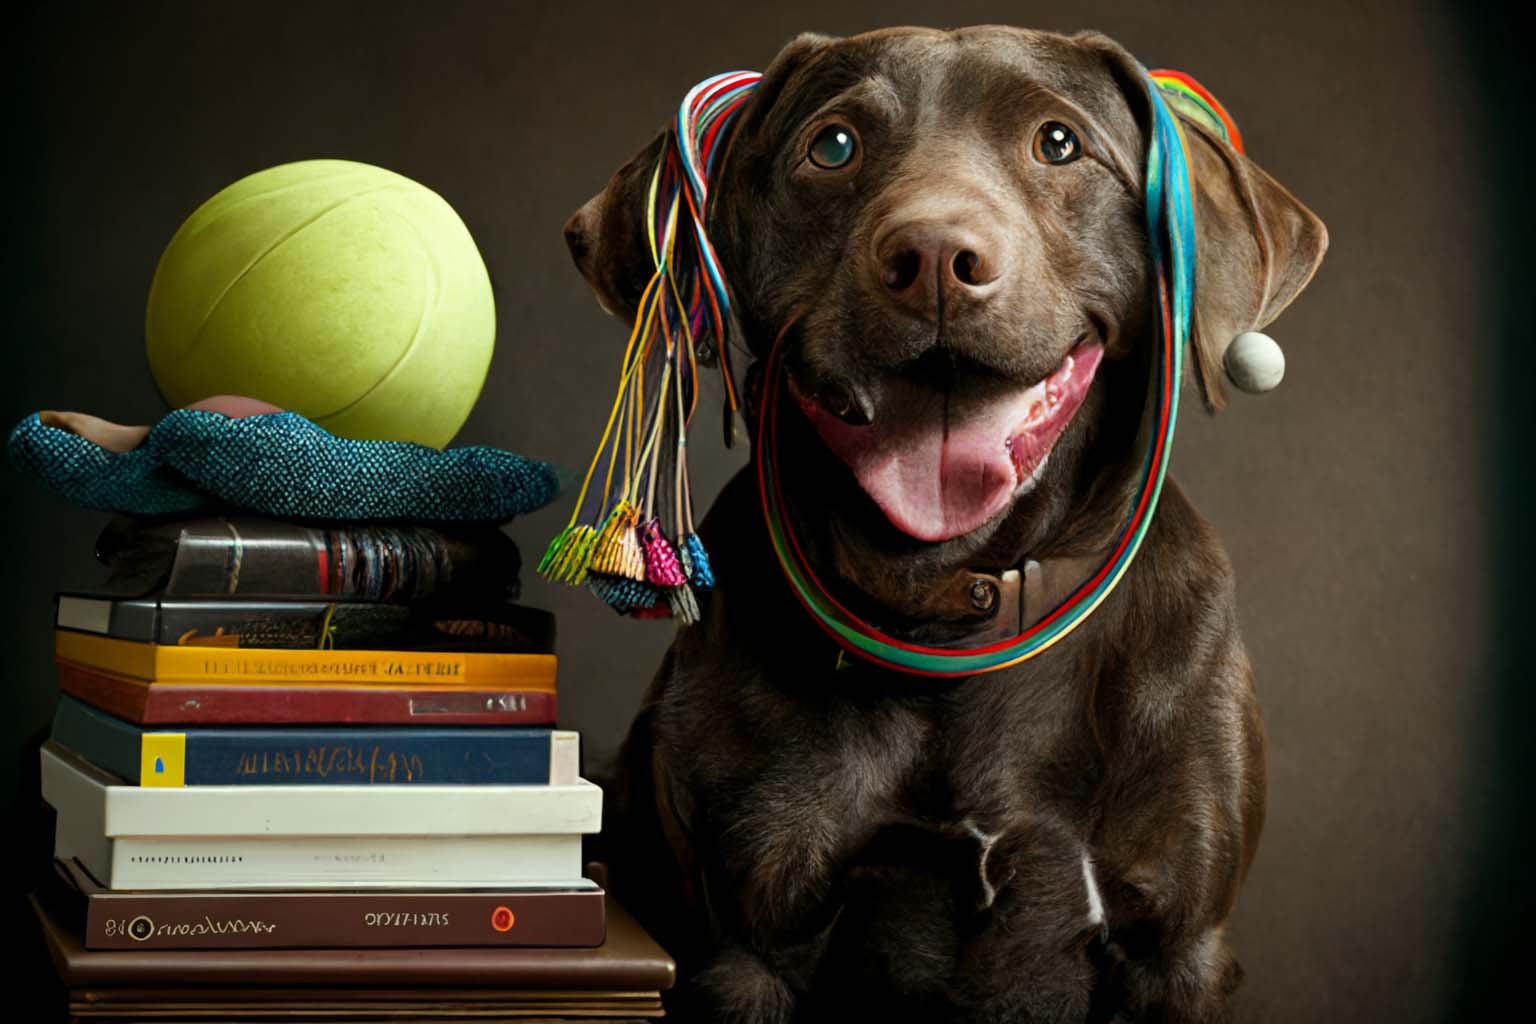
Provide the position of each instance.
(607, 235)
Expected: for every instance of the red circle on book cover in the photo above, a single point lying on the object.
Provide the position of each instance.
(502, 919)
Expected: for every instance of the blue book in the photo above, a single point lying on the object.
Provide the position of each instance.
(317, 755)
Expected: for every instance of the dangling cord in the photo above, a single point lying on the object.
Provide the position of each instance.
(571, 550)
(680, 467)
(652, 450)
(685, 296)
(641, 328)
(690, 549)
(707, 109)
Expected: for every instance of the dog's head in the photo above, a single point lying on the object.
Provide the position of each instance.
(954, 224)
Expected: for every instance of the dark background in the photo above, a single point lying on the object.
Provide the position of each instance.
(1374, 506)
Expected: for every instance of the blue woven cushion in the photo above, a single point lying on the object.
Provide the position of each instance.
(281, 464)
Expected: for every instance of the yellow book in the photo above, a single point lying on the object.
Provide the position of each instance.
(165, 664)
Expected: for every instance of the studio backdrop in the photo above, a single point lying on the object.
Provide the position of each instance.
(1359, 502)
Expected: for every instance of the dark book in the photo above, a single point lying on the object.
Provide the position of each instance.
(251, 557)
(628, 961)
(151, 703)
(338, 625)
(317, 755)
(360, 919)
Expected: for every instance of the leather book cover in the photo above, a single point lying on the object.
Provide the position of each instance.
(629, 960)
(324, 920)
(253, 557)
(146, 703)
(308, 625)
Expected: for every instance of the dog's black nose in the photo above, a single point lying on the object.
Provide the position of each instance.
(918, 262)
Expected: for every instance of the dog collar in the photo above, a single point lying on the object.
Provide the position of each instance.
(979, 607)
(621, 549)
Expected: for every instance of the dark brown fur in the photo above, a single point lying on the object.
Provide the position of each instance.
(815, 843)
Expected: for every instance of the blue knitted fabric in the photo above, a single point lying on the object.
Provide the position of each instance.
(281, 465)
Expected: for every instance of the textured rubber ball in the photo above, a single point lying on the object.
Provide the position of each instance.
(342, 291)
(1254, 362)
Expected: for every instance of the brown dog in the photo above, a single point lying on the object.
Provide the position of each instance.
(949, 219)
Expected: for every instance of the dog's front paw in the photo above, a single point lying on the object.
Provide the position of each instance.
(739, 988)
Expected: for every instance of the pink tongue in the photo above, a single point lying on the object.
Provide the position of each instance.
(939, 475)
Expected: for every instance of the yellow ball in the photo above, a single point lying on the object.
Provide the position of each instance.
(341, 291)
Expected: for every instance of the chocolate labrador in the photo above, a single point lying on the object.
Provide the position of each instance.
(952, 221)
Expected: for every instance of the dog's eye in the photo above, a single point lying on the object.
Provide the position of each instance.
(1055, 143)
(833, 146)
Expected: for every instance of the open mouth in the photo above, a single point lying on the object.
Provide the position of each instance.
(938, 474)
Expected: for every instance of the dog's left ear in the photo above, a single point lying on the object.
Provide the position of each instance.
(1256, 245)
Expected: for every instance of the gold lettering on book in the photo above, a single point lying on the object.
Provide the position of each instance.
(375, 763)
(143, 928)
(406, 919)
(251, 663)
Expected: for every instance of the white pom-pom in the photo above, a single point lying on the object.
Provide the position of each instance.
(1254, 362)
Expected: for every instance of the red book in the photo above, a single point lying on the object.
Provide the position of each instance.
(150, 703)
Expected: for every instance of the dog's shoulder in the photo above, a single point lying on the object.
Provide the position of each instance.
(1175, 675)
(1181, 589)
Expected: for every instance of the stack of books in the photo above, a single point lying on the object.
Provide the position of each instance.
(277, 737)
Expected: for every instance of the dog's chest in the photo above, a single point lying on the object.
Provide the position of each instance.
(968, 840)
(958, 781)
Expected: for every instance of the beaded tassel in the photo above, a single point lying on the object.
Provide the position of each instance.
(568, 555)
(690, 549)
(659, 610)
(621, 593)
(610, 554)
(629, 559)
(684, 605)
(661, 565)
(696, 562)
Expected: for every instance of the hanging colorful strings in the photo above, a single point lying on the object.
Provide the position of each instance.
(622, 555)
(617, 541)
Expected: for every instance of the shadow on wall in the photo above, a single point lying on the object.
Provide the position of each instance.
(1493, 929)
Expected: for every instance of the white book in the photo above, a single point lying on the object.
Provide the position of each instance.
(393, 851)
(328, 862)
(70, 783)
